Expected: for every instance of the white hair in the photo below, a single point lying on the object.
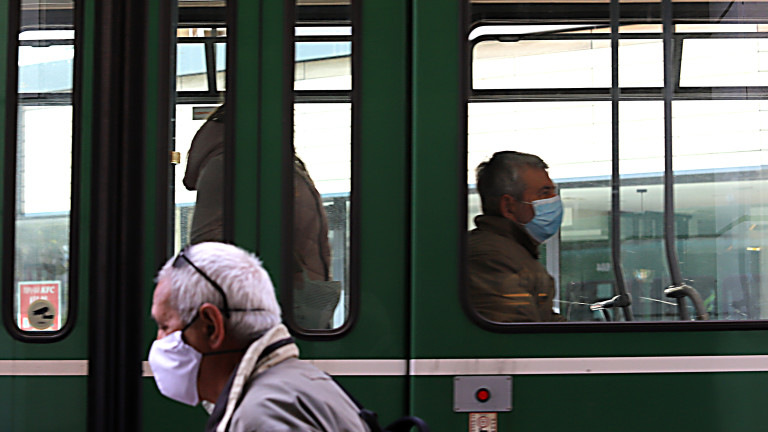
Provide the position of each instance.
(239, 273)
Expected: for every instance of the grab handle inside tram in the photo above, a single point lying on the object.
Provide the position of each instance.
(619, 301)
(680, 292)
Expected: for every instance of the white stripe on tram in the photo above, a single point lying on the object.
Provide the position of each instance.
(589, 365)
(450, 367)
(362, 367)
(44, 367)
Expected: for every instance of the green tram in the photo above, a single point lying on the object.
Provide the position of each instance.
(652, 116)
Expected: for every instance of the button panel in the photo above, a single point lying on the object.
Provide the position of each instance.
(492, 393)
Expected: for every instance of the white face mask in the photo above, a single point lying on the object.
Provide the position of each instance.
(175, 365)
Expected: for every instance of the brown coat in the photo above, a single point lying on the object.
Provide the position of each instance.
(507, 283)
(205, 173)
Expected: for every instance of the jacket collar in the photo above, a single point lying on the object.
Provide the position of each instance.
(506, 228)
(269, 350)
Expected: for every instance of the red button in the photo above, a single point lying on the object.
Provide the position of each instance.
(483, 395)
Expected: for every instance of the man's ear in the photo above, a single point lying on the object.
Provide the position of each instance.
(215, 325)
(507, 206)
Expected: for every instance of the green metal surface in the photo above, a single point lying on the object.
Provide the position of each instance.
(29, 404)
(659, 402)
(82, 324)
(436, 159)
(386, 400)
(247, 117)
(273, 118)
(162, 414)
(5, 7)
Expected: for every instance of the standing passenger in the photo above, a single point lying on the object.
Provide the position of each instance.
(219, 339)
(315, 294)
(521, 209)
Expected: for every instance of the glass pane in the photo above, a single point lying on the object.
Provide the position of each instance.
(550, 131)
(198, 186)
(322, 183)
(586, 269)
(47, 68)
(323, 66)
(43, 179)
(724, 62)
(641, 63)
(541, 64)
(191, 71)
(720, 203)
(197, 177)
(221, 66)
(565, 63)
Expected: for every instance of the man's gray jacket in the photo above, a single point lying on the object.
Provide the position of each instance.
(280, 393)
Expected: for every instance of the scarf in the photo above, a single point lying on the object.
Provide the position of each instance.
(254, 363)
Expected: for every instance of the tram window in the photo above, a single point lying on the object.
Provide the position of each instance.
(322, 142)
(198, 180)
(717, 136)
(43, 191)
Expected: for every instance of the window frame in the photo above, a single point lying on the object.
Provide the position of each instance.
(352, 96)
(57, 19)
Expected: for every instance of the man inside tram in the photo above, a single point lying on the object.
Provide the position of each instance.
(220, 339)
(521, 209)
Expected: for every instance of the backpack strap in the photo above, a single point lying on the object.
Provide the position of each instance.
(404, 424)
(369, 417)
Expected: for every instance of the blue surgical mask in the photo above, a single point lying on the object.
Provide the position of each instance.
(548, 214)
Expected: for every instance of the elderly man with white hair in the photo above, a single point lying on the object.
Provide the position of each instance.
(220, 339)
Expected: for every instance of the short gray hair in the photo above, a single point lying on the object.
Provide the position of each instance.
(239, 273)
(500, 175)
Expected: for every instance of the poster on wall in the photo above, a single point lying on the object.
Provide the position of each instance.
(39, 306)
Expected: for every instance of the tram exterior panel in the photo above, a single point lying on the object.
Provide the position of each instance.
(391, 106)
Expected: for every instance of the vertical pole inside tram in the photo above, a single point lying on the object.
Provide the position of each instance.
(679, 290)
(618, 270)
(669, 180)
